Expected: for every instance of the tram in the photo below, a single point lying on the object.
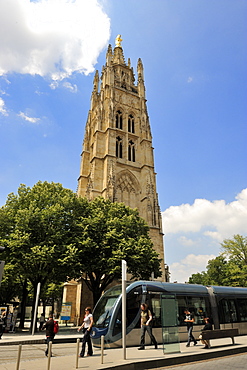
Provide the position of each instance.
(225, 306)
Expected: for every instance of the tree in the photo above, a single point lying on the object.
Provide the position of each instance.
(11, 284)
(217, 271)
(50, 294)
(235, 251)
(229, 268)
(199, 278)
(111, 232)
(40, 231)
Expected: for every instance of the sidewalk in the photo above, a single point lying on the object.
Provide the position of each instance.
(113, 358)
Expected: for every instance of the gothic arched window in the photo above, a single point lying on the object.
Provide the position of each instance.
(131, 151)
(119, 147)
(131, 124)
(119, 120)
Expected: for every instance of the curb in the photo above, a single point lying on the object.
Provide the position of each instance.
(153, 364)
(38, 341)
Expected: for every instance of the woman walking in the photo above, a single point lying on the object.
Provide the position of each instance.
(86, 329)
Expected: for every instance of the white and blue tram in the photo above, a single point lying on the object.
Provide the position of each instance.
(226, 306)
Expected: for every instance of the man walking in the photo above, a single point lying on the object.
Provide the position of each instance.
(189, 319)
(49, 327)
(146, 318)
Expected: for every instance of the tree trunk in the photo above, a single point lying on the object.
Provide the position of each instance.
(23, 305)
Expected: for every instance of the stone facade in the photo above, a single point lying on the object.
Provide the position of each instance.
(117, 159)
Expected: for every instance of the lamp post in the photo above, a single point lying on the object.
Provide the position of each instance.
(124, 270)
(1, 264)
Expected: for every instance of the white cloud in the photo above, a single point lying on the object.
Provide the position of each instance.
(70, 87)
(185, 241)
(190, 79)
(225, 219)
(191, 264)
(193, 233)
(51, 38)
(3, 110)
(27, 118)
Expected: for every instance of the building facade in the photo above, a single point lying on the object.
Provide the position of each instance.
(117, 160)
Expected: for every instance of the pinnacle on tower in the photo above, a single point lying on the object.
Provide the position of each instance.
(118, 51)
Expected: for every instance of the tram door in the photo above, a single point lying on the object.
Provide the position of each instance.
(169, 321)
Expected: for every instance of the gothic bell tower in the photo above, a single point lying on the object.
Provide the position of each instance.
(117, 157)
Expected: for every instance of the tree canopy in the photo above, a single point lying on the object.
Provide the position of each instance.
(229, 268)
(52, 236)
(110, 233)
(40, 232)
(37, 227)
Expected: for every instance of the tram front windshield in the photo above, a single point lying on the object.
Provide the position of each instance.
(103, 310)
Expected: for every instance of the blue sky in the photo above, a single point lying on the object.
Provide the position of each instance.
(194, 55)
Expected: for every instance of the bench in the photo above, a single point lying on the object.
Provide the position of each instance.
(219, 333)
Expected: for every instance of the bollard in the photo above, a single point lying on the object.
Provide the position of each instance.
(77, 352)
(49, 356)
(18, 357)
(102, 348)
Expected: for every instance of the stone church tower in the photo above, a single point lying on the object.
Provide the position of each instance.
(117, 158)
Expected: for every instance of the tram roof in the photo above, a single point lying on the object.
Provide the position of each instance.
(229, 290)
(170, 287)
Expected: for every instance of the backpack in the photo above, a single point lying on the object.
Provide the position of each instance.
(56, 327)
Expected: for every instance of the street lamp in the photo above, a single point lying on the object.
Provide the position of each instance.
(1, 264)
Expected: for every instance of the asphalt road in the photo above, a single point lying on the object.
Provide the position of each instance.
(224, 363)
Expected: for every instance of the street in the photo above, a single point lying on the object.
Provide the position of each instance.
(227, 362)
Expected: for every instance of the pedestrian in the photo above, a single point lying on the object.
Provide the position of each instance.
(2, 323)
(41, 321)
(189, 319)
(207, 326)
(86, 330)
(146, 318)
(49, 327)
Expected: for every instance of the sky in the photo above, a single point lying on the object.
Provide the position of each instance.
(194, 55)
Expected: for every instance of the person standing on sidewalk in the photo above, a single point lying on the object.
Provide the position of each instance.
(49, 327)
(146, 318)
(2, 323)
(86, 330)
(189, 319)
(207, 326)
(41, 321)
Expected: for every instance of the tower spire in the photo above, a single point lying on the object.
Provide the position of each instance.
(118, 41)
(117, 158)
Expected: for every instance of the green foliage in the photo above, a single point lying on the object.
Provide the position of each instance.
(11, 284)
(112, 232)
(51, 235)
(229, 268)
(38, 227)
(199, 278)
(235, 252)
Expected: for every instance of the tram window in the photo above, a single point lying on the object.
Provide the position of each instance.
(199, 306)
(133, 307)
(242, 308)
(132, 311)
(103, 312)
(182, 304)
(233, 311)
(228, 311)
(154, 306)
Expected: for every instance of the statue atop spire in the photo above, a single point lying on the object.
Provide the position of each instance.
(118, 41)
